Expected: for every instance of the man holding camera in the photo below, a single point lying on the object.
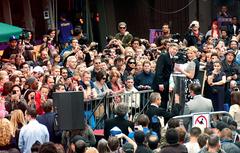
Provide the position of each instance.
(15, 100)
(164, 68)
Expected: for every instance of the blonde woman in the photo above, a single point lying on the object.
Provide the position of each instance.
(17, 122)
(190, 69)
(5, 134)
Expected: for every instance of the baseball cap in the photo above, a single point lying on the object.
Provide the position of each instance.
(230, 51)
(115, 131)
(38, 69)
(11, 38)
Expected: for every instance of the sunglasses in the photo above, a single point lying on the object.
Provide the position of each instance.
(122, 27)
(132, 62)
(104, 78)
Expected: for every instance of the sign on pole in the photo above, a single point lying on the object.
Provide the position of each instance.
(201, 120)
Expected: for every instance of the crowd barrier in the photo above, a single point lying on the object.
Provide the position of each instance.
(97, 110)
(201, 119)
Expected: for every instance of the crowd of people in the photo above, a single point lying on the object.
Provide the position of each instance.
(30, 74)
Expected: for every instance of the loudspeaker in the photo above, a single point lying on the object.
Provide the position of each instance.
(69, 107)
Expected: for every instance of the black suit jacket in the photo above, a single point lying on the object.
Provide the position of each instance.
(163, 71)
(231, 30)
(120, 122)
(153, 110)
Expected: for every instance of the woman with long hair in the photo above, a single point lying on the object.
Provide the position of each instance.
(130, 69)
(17, 121)
(214, 32)
(100, 83)
(5, 134)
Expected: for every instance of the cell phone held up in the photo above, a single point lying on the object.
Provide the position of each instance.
(14, 92)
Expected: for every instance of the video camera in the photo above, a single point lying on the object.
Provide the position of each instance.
(176, 38)
(181, 56)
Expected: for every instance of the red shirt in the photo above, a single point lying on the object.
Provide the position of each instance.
(38, 103)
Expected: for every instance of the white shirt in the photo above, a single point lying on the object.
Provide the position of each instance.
(132, 98)
(192, 147)
(234, 29)
(30, 133)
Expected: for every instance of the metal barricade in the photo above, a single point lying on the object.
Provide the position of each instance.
(97, 110)
(189, 120)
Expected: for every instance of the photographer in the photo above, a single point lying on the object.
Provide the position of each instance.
(116, 45)
(152, 52)
(15, 101)
(74, 47)
(30, 98)
(194, 37)
(28, 47)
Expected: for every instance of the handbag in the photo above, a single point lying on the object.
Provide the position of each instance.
(99, 112)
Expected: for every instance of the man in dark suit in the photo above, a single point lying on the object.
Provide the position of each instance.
(119, 121)
(233, 28)
(164, 68)
(154, 111)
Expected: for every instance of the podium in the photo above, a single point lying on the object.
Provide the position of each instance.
(180, 84)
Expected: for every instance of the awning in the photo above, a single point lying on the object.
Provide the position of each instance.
(7, 30)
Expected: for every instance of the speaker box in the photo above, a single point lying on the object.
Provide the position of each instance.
(69, 107)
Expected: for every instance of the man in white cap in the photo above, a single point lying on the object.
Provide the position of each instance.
(194, 37)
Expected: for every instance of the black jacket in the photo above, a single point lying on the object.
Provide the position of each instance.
(120, 122)
(231, 30)
(163, 71)
(174, 148)
(158, 111)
